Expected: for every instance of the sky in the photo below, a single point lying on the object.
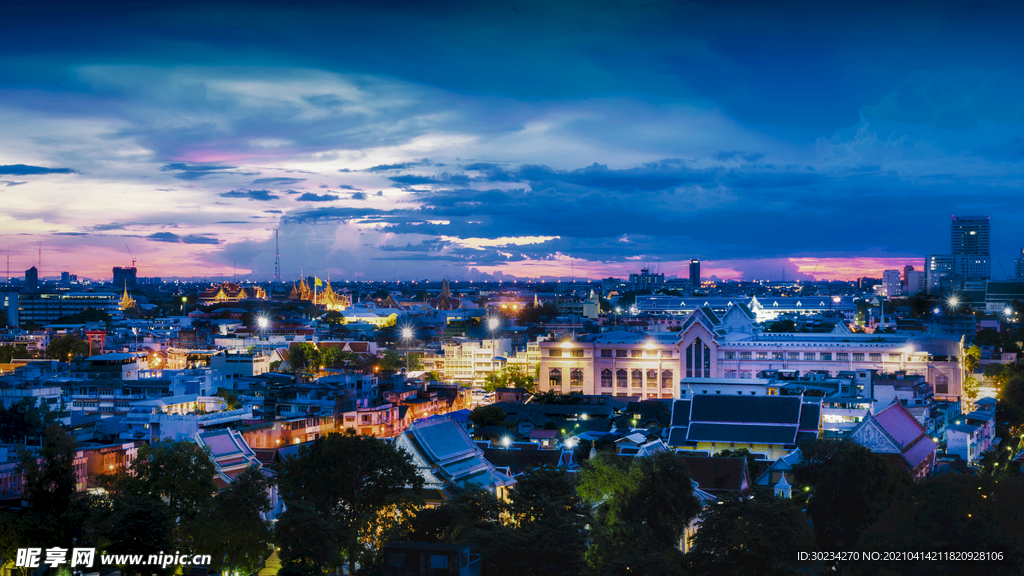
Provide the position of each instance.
(498, 140)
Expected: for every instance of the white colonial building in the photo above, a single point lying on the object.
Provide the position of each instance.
(731, 345)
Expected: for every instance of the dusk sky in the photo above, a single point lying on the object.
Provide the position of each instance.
(394, 140)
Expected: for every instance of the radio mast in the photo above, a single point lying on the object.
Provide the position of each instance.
(277, 257)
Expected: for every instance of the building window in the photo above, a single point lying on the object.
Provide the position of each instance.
(762, 355)
(577, 353)
(875, 356)
(652, 378)
(777, 356)
(606, 353)
(621, 353)
(842, 356)
(666, 354)
(745, 374)
(620, 378)
(606, 378)
(576, 377)
(826, 356)
(638, 378)
(794, 355)
(730, 373)
(666, 379)
(858, 356)
(809, 356)
(894, 357)
(438, 562)
(396, 559)
(555, 353)
(636, 353)
(652, 354)
(555, 377)
(744, 355)
(730, 355)
(942, 384)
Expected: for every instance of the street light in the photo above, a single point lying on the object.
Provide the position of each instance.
(406, 335)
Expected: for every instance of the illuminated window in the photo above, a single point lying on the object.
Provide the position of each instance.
(636, 353)
(638, 378)
(794, 355)
(576, 377)
(652, 378)
(621, 378)
(809, 356)
(606, 378)
(858, 356)
(555, 353)
(730, 355)
(621, 353)
(666, 379)
(554, 377)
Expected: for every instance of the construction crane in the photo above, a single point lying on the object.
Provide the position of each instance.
(1005, 275)
(130, 254)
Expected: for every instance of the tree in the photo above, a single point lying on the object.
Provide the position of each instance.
(138, 524)
(85, 316)
(49, 486)
(785, 325)
(490, 415)
(177, 472)
(642, 509)
(847, 489)
(10, 352)
(740, 453)
(348, 481)
(987, 337)
(551, 517)
(971, 388)
(739, 536)
(391, 360)
(945, 512)
(234, 525)
(510, 376)
(23, 419)
(552, 397)
(304, 356)
(972, 359)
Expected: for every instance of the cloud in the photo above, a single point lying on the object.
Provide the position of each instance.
(281, 181)
(723, 156)
(25, 170)
(194, 171)
(172, 238)
(345, 187)
(262, 195)
(401, 166)
(311, 197)
(9, 183)
(359, 196)
(271, 211)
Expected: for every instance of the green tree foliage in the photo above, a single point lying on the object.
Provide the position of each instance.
(510, 376)
(351, 483)
(233, 529)
(740, 536)
(10, 352)
(972, 359)
(786, 325)
(552, 397)
(24, 418)
(49, 486)
(970, 388)
(1010, 408)
(740, 453)
(391, 360)
(948, 512)
(138, 524)
(531, 314)
(848, 489)
(304, 356)
(67, 347)
(490, 415)
(477, 518)
(643, 507)
(987, 337)
(85, 316)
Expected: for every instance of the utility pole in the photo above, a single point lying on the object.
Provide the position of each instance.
(277, 256)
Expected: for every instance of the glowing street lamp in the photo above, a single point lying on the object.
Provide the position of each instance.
(506, 441)
(262, 322)
(407, 336)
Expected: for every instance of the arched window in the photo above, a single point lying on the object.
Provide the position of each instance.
(576, 377)
(606, 378)
(638, 378)
(666, 379)
(555, 378)
(652, 378)
(942, 384)
(745, 374)
(621, 378)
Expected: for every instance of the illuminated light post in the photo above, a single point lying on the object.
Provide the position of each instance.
(406, 336)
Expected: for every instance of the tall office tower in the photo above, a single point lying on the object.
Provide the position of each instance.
(65, 277)
(971, 240)
(32, 279)
(694, 274)
(1019, 268)
(125, 278)
(891, 283)
(937, 267)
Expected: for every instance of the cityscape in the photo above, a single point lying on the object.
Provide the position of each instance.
(432, 289)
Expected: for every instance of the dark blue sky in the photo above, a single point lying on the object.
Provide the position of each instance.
(407, 140)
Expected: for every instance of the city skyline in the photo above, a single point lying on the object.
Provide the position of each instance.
(474, 142)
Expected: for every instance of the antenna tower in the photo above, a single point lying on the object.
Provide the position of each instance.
(277, 257)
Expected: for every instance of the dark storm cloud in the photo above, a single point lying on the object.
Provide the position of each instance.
(262, 195)
(25, 170)
(311, 197)
(184, 171)
(279, 181)
(164, 237)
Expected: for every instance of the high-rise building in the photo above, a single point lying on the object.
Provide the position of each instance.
(1019, 268)
(891, 283)
(694, 273)
(645, 279)
(915, 283)
(32, 279)
(971, 243)
(125, 277)
(937, 267)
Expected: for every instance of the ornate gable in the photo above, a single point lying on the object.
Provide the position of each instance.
(872, 436)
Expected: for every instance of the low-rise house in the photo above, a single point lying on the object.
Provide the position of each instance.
(424, 559)
(720, 476)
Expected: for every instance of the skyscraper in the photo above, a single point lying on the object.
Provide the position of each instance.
(1019, 268)
(125, 277)
(32, 279)
(694, 274)
(971, 242)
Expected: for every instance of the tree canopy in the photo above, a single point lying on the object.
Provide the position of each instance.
(510, 376)
(67, 347)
